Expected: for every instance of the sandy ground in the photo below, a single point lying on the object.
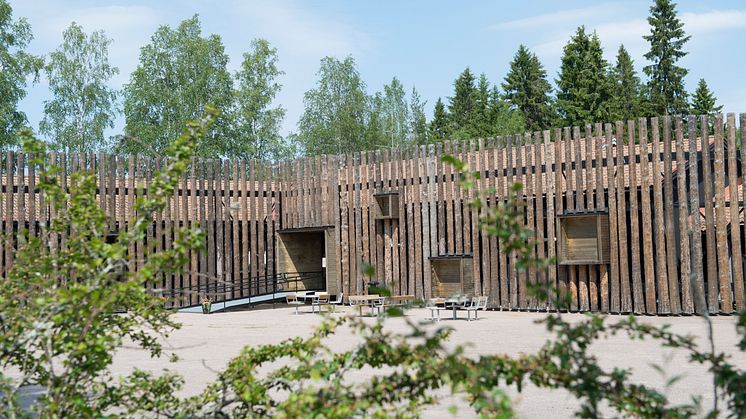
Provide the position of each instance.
(205, 343)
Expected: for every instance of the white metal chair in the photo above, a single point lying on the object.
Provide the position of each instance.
(378, 304)
(476, 304)
(432, 305)
(292, 300)
(337, 301)
(319, 300)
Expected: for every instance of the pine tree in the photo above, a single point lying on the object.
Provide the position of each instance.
(439, 126)
(418, 122)
(584, 89)
(627, 100)
(667, 39)
(526, 87)
(462, 105)
(503, 118)
(481, 124)
(704, 101)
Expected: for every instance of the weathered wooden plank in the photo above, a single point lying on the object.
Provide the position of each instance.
(550, 164)
(497, 267)
(600, 204)
(33, 215)
(664, 301)
(474, 167)
(726, 297)
(694, 225)
(427, 153)
(735, 227)
(411, 232)
(593, 285)
(131, 209)
(670, 233)
(458, 223)
(647, 218)
(559, 176)
(711, 261)
(10, 214)
(21, 230)
(417, 243)
(235, 214)
(580, 205)
(687, 305)
(344, 230)
(193, 222)
(638, 299)
(539, 162)
(611, 150)
(624, 280)
(203, 272)
(432, 200)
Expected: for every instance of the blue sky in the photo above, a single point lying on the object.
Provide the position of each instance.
(423, 43)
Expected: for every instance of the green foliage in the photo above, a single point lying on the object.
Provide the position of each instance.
(439, 124)
(584, 90)
(418, 130)
(395, 114)
(336, 110)
(628, 100)
(704, 101)
(666, 80)
(17, 65)
(478, 110)
(256, 124)
(462, 106)
(82, 104)
(60, 327)
(526, 87)
(179, 74)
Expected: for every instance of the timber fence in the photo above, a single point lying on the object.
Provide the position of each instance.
(669, 192)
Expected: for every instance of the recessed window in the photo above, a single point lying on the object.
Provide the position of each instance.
(583, 239)
(387, 205)
(452, 275)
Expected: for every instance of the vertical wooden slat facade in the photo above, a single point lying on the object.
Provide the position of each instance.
(674, 195)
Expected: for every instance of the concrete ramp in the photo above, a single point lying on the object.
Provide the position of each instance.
(222, 305)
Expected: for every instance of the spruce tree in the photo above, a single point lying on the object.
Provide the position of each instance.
(418, 123)
(704, 101)
(584, 90)
(666, 79)
(462, 105)
(526, 87)
(439, 129)
(628, 100)
(481, 121)
(503, 117)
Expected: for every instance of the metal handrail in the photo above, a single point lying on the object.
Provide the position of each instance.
(250, 287)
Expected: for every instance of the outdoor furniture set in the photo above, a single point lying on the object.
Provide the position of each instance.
(473, 304)
(375, 302)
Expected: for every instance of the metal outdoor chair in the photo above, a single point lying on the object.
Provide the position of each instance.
(337, 301)
(319, 300)
(476, 304)
(432, 305)
(292, 300)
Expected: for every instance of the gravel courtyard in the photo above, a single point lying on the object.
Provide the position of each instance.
(205, 343)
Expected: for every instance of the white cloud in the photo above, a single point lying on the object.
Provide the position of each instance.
(299, 31)
(561, 17)
(630, 32)
(713, 21)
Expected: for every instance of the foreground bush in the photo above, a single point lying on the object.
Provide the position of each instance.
(60, 329)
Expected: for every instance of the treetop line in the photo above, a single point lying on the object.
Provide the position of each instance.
(181, 70)
(664, 223)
